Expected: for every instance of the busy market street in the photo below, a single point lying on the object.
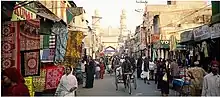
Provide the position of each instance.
(106, 87)
(110, 48)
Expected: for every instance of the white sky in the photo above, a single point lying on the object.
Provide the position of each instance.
(110, 11)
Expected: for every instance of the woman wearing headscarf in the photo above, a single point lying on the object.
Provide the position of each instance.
(14, 83)
(102, 67)
(68, 84)
(90, 71)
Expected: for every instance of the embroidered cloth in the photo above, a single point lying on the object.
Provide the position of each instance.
(53, 75)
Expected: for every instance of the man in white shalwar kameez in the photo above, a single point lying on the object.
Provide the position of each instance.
(68, 84)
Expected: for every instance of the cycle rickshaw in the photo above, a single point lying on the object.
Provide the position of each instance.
(129, 79)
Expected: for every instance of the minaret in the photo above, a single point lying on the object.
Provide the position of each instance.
(123, 26)
(96, 21)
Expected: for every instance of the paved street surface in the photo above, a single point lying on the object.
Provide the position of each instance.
(106, 87)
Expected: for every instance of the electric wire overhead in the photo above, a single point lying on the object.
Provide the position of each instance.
(187, 16)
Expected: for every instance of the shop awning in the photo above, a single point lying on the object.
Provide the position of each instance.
(72, 12)
(186, 36)
(46, 13)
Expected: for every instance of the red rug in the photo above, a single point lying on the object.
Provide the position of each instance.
(53, 76)
(29, 35)
(31, 63)
(8, 53)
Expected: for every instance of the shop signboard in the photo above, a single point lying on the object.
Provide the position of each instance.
(215, 31)
(186, 36)
(202, 33)
(23, 13)
(155, 38)
(164, 43)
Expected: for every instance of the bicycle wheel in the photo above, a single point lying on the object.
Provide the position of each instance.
(129, 84)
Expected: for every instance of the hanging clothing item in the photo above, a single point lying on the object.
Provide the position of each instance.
(162, 53)
(205, 49)
(167, 54)
(158, 53)
(61, 32)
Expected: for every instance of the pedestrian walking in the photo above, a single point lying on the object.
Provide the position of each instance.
(97, 70)
(102, 68)
(68, 83)
(151, 68)
(174, 69)
(139, 65)
(90, 71)
(165, 79)
(211, 83)
(145, 68)
(13, 83)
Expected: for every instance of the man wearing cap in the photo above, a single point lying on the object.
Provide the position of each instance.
(211, 83)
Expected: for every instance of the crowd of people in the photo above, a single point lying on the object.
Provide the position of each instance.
(163, 72)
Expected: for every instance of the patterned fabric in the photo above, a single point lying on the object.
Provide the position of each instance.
(48, 55)
(61, 41)
(53, 75)
(29, 35)
(8, 52)
(39, 81)
(29, 83)
(46, 41)
(30, 62)
(52, 40)
(41, 41)
(73, 48)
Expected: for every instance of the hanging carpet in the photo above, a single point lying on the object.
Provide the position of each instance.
(30, 63)
(39, 81)
(53, 75)
(8, 43)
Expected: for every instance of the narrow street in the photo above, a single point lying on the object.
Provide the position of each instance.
(106, 87)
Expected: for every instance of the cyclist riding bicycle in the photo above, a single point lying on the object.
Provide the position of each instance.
(126, 68)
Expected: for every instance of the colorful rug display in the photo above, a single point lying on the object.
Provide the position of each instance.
(47, 55)
(39, 81)
(29, 35)
(30, 63)
(8, 53)
(61, 41)
(53, 75)
(73, 51)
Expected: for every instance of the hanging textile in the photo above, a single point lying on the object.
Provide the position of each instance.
(167, 54)
(53, 75)
(29, 35)
(52, 40)
(158, 52)
(30, 63)
(39, 81)
(205, 49)
(48, 55)
(61, 41)
(46, 41)
(73, 48)
(41, 41)
(29, 84)
(162, 53)
(8, 45)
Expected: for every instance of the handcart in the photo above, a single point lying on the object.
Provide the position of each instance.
(181, 86)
